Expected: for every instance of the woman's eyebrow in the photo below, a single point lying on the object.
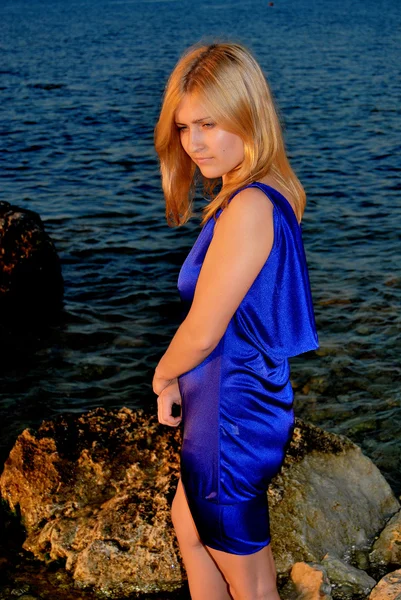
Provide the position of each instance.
(194, 122)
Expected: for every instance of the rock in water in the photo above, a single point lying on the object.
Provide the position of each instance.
(95, 491)
(388, 588)
(31, 283)
(310, 582)
(329, 497)
(349, 581)
(387, 549)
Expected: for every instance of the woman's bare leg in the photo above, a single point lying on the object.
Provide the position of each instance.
(250, 576)
(204, 576)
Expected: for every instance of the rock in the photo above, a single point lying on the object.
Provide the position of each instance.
(3, 563)
(361, 558)
(94, 491)
(329, 497)
(31, 283)
(19, 592)
(310, 582)
(349, 581)
(388, 588)
(387, 549)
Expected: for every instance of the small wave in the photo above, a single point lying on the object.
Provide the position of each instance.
(47, 86)
(33, 148)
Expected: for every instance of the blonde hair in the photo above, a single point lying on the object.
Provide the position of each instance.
(230, 83)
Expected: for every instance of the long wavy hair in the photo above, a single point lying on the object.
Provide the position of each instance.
(229, 82)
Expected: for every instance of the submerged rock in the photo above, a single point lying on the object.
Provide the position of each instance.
(94, 491)
(31, 283)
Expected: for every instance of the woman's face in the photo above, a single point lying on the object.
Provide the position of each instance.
(215, 150)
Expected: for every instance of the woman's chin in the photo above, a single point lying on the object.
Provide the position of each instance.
(210, 173)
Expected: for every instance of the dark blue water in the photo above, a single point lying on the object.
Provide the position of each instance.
(80, 89)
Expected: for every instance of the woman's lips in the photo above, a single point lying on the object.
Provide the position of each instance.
(201, 160)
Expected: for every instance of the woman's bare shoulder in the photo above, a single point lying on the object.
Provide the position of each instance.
(247, 205)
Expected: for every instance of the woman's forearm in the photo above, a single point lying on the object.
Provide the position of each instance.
(185, 352)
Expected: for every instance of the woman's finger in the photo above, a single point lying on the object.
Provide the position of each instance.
(166, 406)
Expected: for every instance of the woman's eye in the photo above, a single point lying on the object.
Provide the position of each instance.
(208, 125)
(181, 128)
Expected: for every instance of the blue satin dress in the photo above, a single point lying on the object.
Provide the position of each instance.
(237, 405)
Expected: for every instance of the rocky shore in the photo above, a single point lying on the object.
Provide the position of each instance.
(93, 492)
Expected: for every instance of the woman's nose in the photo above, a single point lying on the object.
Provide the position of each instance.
(196, 141)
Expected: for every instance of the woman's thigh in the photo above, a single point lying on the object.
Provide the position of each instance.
(250, 576)
(183, 522)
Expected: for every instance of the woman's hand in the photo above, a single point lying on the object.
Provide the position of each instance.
(170, 395)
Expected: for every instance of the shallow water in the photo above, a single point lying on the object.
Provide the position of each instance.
(81, 85)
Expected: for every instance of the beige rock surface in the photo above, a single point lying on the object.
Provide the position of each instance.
(388, 588)
(387, 548)
(94, 491)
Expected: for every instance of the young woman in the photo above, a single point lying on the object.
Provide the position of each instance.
(245, 291)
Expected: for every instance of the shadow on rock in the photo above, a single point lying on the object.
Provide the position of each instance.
(31, 282)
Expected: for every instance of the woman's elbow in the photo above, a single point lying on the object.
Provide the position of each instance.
(202, 336)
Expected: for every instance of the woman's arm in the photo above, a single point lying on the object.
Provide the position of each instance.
(242, 240)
